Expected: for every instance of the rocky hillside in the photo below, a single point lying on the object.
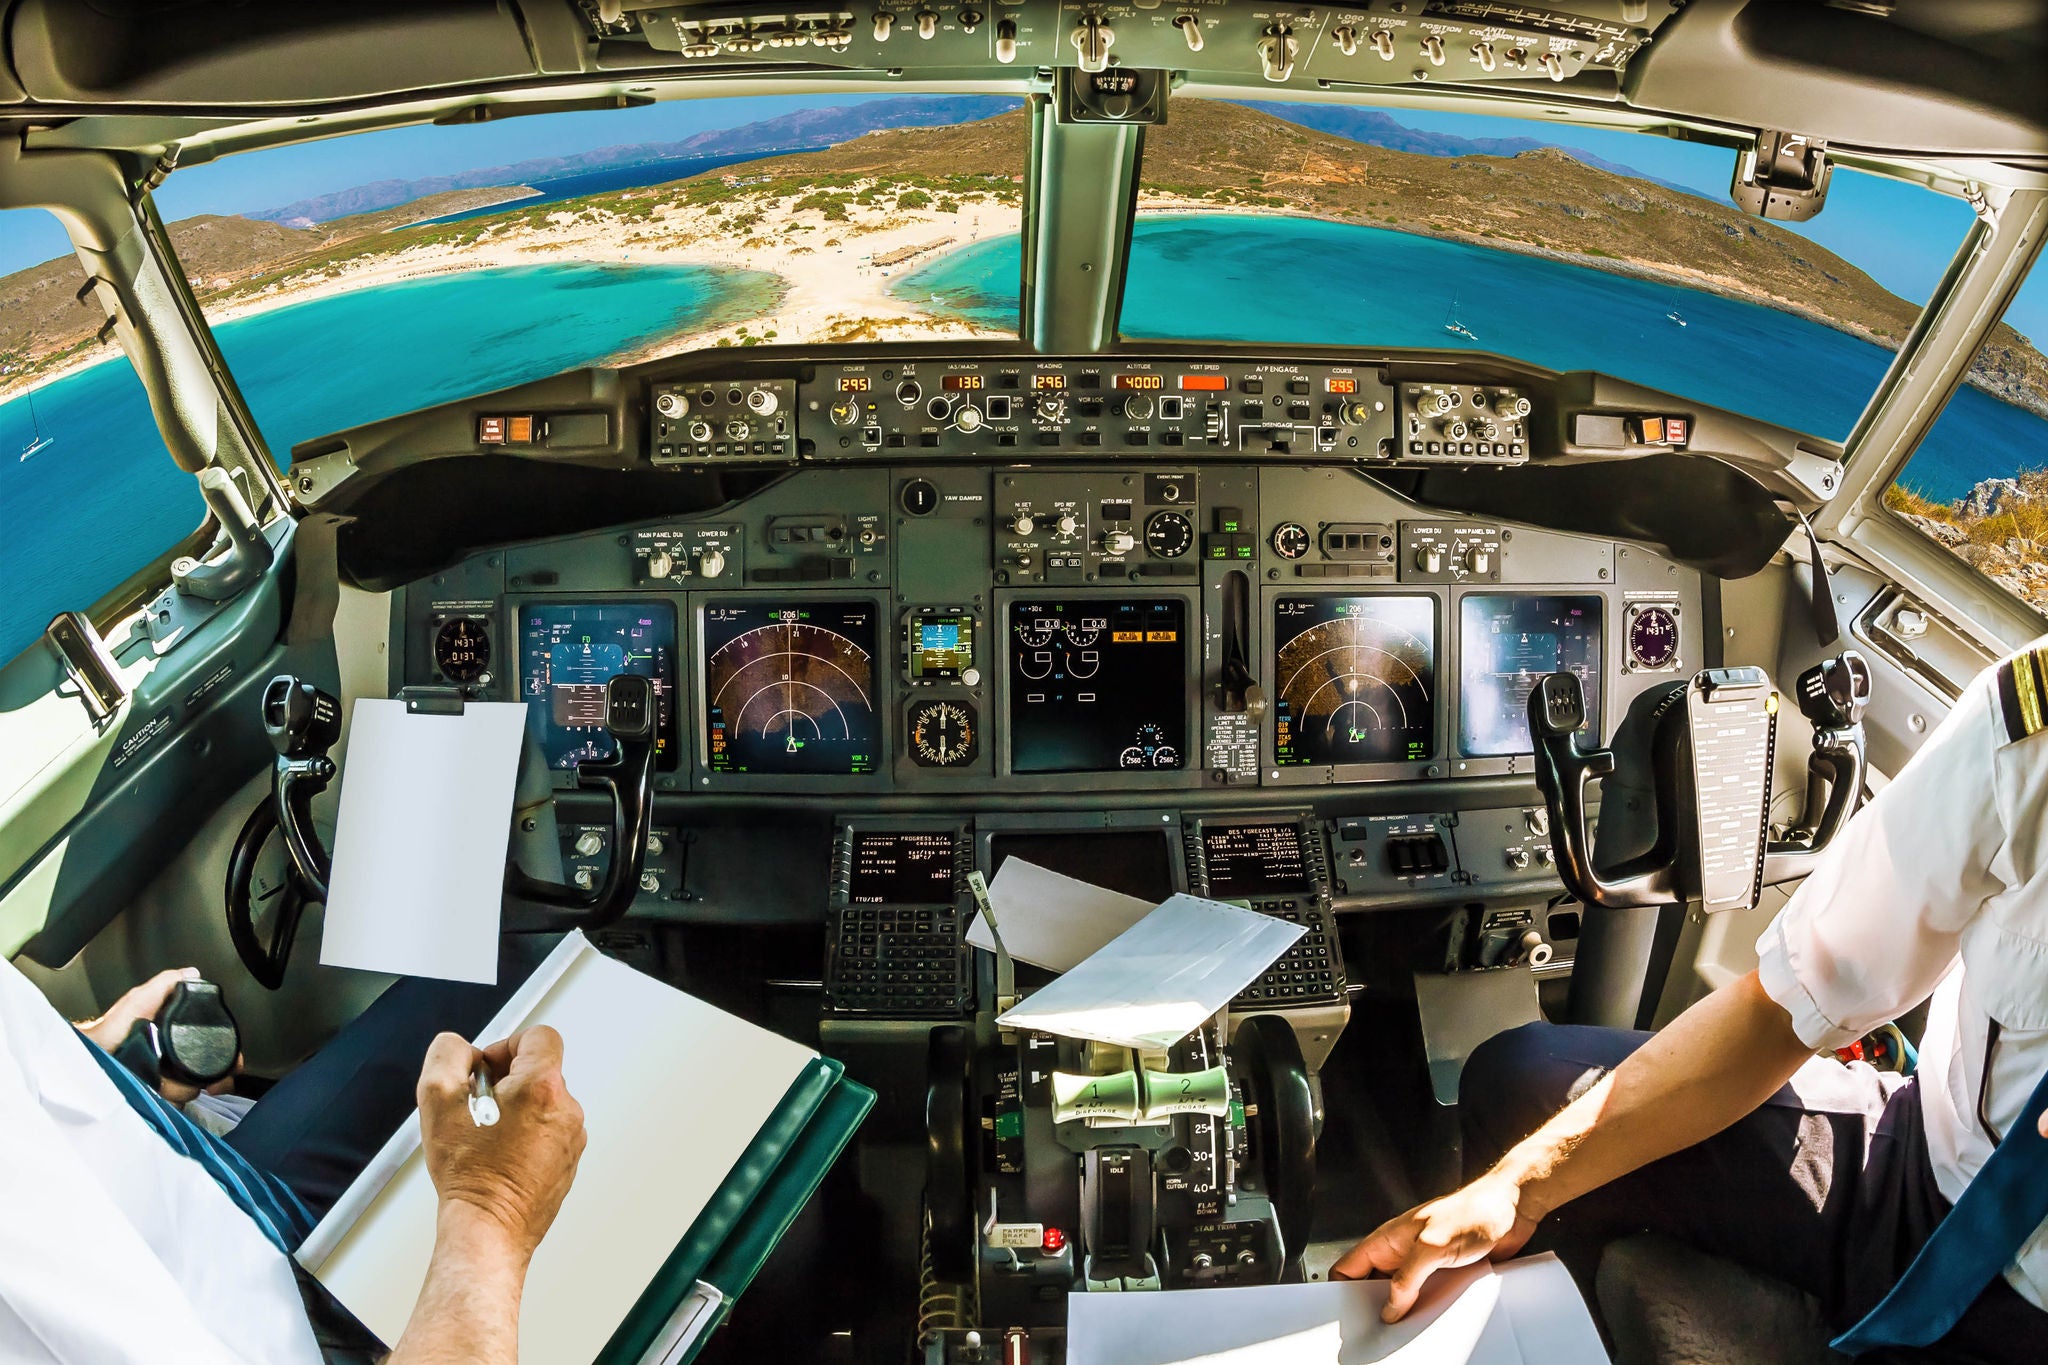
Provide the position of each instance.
(2000, 528)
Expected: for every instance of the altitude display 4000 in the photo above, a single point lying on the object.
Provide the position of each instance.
(790, 688)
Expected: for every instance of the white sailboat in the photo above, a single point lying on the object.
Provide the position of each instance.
(1455, 327)
(37, 441)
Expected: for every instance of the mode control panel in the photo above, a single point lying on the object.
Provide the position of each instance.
(1451, 423)
(718, 419)
(1094, 406)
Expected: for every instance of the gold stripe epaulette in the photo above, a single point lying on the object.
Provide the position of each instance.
(2023, 693)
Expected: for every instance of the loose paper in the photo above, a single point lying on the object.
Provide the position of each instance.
(1051, 920)
(1525, 1313)
(420, 840)
(673, 1092)
(1157, 982)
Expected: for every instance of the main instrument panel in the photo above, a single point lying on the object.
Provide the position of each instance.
(963, 623)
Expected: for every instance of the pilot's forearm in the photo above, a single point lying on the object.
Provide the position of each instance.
(1710, 1066)
(468, 1309)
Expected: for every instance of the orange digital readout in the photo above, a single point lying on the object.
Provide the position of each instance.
(1342, 385)
(1204, 383)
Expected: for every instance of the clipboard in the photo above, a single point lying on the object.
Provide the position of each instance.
(625, 1277)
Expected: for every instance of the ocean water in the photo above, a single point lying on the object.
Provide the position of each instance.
(605, 181)
(104, 498)
(1291, 280)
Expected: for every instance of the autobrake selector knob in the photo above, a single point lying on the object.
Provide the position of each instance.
(1119, 543)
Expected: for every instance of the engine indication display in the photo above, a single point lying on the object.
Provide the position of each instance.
(1507, 642)
(790, 688)
(1356, 680)
(1098, 685)
(568, 651)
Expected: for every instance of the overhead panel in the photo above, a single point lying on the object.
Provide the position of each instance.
(1384, 42)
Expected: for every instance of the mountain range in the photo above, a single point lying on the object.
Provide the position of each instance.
(814, 129)
(801, 130)
(1376, 129)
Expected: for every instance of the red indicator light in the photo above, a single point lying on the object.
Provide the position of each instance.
(1204, 383)
(1053, 1241)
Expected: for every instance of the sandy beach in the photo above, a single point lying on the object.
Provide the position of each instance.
(833, 288)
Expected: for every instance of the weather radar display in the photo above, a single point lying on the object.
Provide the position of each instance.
(1357, 680)
(790, 688)
(569, 650)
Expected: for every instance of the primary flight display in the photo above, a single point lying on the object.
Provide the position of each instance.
(568, 651)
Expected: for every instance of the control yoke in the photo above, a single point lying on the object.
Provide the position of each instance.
(303, 723)
(1698, 761)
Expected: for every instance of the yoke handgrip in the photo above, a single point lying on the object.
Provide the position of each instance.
(533, 906)
(1557, 710)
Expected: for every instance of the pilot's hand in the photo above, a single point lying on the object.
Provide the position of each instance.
(146, 1002)
(1484, 1219)
(511, 1176)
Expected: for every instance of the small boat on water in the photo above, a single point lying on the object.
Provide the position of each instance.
(1457, 328)
(38, 440)
(1676, 317)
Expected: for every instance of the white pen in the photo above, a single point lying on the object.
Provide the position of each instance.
(483, 1100)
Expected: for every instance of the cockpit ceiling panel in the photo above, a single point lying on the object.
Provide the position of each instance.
(1896, 82)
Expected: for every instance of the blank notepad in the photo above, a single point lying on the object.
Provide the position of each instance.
(418, 883)
(673, 1092)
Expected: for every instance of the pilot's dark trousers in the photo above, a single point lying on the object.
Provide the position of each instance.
(320, 1125)
(1827, 1186)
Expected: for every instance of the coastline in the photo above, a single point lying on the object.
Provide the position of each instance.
(835, 275)
(830, 290)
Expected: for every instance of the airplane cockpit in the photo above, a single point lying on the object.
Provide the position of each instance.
(1481, 494)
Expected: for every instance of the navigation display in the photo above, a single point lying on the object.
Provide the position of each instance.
(1098, 685)
(1507, 642)
(1356, 680)
(790, 688)
(568, 651)
(1254, 860)
(912, 868)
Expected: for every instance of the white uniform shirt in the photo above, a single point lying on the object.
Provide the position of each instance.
(115, 1250)
(1939, 888)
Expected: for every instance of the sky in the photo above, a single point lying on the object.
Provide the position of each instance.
(1903, 235)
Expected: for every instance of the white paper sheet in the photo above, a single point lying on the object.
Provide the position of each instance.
(1052, 920)
(1465, 1317)
(420, 840)
(672, 1091)
(1156, 982)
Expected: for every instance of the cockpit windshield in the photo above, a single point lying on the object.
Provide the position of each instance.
(404, 268)
(1570, 248)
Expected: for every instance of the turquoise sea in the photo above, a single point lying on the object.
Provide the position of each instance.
(104, 498)
(1240, 277)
